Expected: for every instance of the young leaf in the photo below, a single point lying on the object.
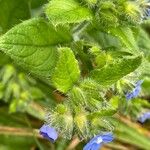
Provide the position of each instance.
(126, 36)
(33, 44)
(67, 70)
(13, 12)
(111, 73)
(67, 11)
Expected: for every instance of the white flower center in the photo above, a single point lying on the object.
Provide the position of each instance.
(99, 140)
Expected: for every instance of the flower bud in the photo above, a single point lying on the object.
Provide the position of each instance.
(132, 11)
(77, 97)
(81, 124)
(61, 119)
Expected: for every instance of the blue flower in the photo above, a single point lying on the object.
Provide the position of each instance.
(135, 92)
(48, 133)
(96, 142)
(144, 117)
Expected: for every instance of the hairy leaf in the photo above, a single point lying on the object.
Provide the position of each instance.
(67, 11)
(111, 73)
(126, 36)
(33, 45)
(13, 12)
(67, 70)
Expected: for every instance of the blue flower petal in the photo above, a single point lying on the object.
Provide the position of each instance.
(95, 146)
(144, 117)
(87, 146)
(48, 133)
(129, 96)
(108, 137)
(138, 83)
(136, 91)
(96, 142)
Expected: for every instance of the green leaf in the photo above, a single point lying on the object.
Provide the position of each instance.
(67, 11)
(67, 70)
(104, 39)
(111, 73)
(13, 12)
(126, 36)
(33, 45)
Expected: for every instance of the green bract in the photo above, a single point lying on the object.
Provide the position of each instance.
(66, 72)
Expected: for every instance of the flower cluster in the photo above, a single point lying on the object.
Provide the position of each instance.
(96, 142)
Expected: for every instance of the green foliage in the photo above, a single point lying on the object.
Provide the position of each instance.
(111, 73)
(66, 72)
(67, 11)
(126, 36)
(33, 44)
